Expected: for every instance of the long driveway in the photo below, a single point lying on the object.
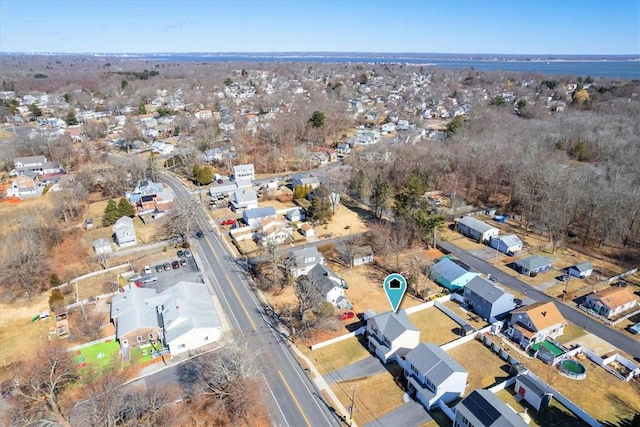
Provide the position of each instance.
(292, 396)
(574, 315)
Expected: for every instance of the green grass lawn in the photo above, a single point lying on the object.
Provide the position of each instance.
(98, 355)
(571, 332)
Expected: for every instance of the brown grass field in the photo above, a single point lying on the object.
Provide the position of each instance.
(485, 368)
(435, 326)
(338, 355)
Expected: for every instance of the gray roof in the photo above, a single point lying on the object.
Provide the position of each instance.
(188, 306)
(433, 362)
(324, 278)
(484, 289)
(475, 224)
(245, 195)
(483, 408)
(133, 310)
(583, 266)
(509, 240)
(534, 384)
(392, 324)
(300, 254)
(259, 212)
(101, 243)
(534, 262)
(448, 270)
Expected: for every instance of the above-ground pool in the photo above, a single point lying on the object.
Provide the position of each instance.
(573, 369)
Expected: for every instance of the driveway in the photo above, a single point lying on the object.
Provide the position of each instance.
(408, 415)
(364, 368)
(166, 279)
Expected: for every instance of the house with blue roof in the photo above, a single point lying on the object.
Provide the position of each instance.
(450, 275)
(254, 217)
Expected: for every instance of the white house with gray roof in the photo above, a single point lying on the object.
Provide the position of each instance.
(125, 232)
(508, 244)
(328, 284)
(391, 334)
(182, 318)
(302, 260)
(433, 375)
(487, 300)
(481, 408)
(533, 264)
(476, 229)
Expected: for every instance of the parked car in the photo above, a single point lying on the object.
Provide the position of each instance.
(149, 279)
(635, 329)
(135, 278)
(175, 264)
(228, 221)
(183, 261)
(187, 253)
(199, 234)
(563, 278)
(159, 268)
(147, 270)
(166, 266)
(180, 253)
(347, 315)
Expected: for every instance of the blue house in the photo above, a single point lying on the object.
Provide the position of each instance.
(533, 264)
(487, 300)
(450, 275)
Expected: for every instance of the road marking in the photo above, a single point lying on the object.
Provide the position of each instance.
(275, 400)
(286, 384)
(233, 288)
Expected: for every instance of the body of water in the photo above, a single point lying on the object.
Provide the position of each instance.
(615, 69)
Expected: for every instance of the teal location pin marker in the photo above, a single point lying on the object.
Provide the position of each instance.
(395, 286)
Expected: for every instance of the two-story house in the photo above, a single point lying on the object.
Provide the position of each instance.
(433, 375)
(125, 232)
(302, 260)
(391, 334)
(487, 300)
(328, 284)
(533, 323)
(481, 408)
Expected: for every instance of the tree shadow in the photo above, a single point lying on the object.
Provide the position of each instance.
(187, 374)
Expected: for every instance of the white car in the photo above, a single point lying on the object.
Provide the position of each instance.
(147, 269)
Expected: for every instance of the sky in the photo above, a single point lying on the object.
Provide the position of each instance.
(584, 27)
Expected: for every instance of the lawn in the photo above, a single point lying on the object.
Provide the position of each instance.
(601, 394)
(98, 355)
(571, 332)
(485, 367)
(472, 318)
(435, 326)
(555, 415)
(340, 354)
(374, 396)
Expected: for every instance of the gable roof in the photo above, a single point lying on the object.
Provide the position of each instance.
(324, 278)
(542, 314)
(433, 362)
(448, 270)
(509, 240)
(614, 296)
(534, 262)
(583, 266)
(393, 324)
(259, 212)
(535, 384)
(475, 224)
(187, 306)
(485, 289)
(482, 407)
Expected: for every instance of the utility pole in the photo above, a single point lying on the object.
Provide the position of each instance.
(353, 398)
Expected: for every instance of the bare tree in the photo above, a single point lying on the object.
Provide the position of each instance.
(181, 221)
(25, 264)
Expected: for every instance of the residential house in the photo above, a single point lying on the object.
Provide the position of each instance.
(213, 155)
(328, 284)
(307, 230)
(220, 191)
(533, 390)
(296, 214)
(581, 270)
(125, 232)
(102, 246)
(433, 375)
(533, 323)
(162, 147)
(508, 244)
(476, 229)
(304, 179)
(343, 149)
(253, 217)
(611, 301)
(450, 275)
(487, 300)
(273, 231)
(303, 259)
(361, 255)
(533, 264)
(402, 125)
(388, 128)
(244, 172)
(182, 318)
(244, 199)
(481, 408)
(36, 164)
(391, 334)
(24, 185)
(151, 197)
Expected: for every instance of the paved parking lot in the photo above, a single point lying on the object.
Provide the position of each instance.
(166, 279)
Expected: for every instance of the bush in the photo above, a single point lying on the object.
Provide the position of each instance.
(533, 274)
(56, 299)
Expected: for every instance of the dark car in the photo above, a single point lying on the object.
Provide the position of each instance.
(166, 266)
(199, 234)
(563, 278)
(183, 261)
(180, 253)
(159, 268)
(175, 264)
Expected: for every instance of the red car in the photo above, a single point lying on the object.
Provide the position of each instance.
(229, 221)
(347, 315)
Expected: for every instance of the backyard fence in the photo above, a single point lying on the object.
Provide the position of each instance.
(357, 332)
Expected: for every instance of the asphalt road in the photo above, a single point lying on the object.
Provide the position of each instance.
(294, 399)
(574, 315)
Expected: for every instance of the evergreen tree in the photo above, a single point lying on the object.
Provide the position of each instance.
(380, 195)
(409, 198)
(125, 209)
(71, 118)
(110, 213)
(321, 209)
(142, 109)
(317, 119)
(203, 174)
(359, 186)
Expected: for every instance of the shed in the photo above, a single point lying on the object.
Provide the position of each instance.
(582, 270)
(534, 391)
(362, 255)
